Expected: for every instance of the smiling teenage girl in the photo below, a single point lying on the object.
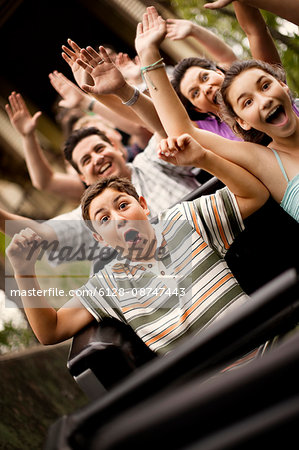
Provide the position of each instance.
(259, 106)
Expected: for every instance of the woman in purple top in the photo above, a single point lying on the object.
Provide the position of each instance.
(197, 81)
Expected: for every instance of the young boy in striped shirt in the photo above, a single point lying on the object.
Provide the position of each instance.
(169, 278)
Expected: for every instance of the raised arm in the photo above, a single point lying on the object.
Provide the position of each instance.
(49, 326)
(107, 85)
(260, 40)
(73, 96)
(172, 113)
(216, 47)
(287, 9)
(250, 193)
(10, 224)
(40, 171)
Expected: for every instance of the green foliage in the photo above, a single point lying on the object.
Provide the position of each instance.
(223, 22)
(2, 244)
(12, 338)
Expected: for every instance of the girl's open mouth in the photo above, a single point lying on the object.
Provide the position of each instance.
(277, 116)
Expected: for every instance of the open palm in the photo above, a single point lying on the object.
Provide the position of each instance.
(71, 94)
(107, 78)
(71, 57)
(151, 32)
(20, 116)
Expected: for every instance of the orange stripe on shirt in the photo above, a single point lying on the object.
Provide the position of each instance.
(194, 219)
(189, 311)
(226, 244)
(190, 257)
(142, 305)
(172, 223)
(206, 295)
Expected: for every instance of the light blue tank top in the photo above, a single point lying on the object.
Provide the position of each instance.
(290, 201)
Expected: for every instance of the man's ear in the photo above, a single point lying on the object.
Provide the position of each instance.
(97, 237)
(143, 203)
(82, 177)
(243, 124)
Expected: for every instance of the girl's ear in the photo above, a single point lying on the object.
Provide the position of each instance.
(243, 124)
(285, 86)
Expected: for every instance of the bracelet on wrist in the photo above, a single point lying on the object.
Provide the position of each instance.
(156, 65)
(133, 99)
(145, 68)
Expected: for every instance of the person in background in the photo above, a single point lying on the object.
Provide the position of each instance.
(287, 10)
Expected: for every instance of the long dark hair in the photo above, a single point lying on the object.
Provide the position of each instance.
(179, 71)
(227, 111)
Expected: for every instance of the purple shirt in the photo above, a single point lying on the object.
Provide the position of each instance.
(295, 109)
(220, 128)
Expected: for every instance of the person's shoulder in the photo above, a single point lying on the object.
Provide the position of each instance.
(149, 151)
(176, 212)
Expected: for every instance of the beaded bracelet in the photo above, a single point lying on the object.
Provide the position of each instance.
(156, 65)
(144, 69)
(133, 99)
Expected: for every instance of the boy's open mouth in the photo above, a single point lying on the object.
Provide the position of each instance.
(132, 236)
(277, 116)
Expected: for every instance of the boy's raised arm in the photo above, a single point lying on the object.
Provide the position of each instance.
(15, 223)
(49, 326)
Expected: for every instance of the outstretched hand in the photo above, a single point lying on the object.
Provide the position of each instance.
(128, 67)
(23, 251)
(217, 4)
(20, 116)
(151, 31)
(71, 94)
(71, 56)
(181, 151)
(106, 77)
(178, 29)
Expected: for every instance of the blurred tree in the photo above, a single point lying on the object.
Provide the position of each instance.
(223, 22)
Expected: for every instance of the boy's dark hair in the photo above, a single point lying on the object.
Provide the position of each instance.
(227, 112)
(179, 71)
(77, 136)
(114, 182)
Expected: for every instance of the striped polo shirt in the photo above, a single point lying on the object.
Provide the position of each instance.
(189, 285)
